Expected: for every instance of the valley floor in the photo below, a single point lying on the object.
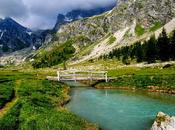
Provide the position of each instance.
(28, 101)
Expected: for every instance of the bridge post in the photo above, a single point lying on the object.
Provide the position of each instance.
(91, 76)
(106, 77)
(58, 75)
(74, 74)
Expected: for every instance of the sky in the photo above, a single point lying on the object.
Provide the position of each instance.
(42, 14)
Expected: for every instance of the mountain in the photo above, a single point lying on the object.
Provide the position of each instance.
(14, 37)
(80, 14)
(17, 42)
(128, 22)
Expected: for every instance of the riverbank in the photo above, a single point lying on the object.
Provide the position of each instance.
(39, 104)
(151, 82)
(159, 77)
(148, 89)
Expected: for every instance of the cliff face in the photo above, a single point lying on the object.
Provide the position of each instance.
(144, 15)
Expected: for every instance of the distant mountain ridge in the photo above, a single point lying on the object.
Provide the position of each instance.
(14, 37)
(80, 14)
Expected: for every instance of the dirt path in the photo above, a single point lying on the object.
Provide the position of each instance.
(10, 104)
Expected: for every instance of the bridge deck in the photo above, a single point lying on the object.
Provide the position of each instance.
(79, 79)
(74, 75)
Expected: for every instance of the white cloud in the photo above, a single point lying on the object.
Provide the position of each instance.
(43, 13)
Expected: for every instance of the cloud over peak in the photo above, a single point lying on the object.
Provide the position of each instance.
(42, 13)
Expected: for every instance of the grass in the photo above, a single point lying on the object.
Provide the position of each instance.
(142, 81)
(142, 77)
(6, 92)
(42, 100)
(156, 26)
(11, 120)
(156, 71)
(139, 30)
(112, 39)
(97, 65)
(39, 104)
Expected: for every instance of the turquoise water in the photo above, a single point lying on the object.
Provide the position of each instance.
(120, 110)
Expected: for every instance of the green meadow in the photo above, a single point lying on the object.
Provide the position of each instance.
(35, 103)
(141, 77)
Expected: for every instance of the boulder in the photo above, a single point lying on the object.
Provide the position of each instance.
(163, 122)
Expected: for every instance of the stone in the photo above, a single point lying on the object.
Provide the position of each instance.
(163, 122)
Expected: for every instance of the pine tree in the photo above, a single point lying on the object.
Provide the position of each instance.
(163, 46)
(118, 54)
(111, 55)
(133, 51)
(138, 52)
(151, 50)
(172, 46)
(125, 60)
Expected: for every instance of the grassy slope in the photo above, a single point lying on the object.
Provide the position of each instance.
(39, 105)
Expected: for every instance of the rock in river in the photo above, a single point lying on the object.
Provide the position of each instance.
(164, 122)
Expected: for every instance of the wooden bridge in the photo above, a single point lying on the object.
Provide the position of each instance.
(76, 75)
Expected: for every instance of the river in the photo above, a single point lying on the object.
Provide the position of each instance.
(120, 109)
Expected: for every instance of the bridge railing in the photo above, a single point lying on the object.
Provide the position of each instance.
(76, 75)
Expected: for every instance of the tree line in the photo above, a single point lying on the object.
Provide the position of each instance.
(150, 51)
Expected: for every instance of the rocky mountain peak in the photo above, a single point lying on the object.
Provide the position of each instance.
(9, 23)
(119, 2)
(14, 37)
(78, 14)
(129, 21)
